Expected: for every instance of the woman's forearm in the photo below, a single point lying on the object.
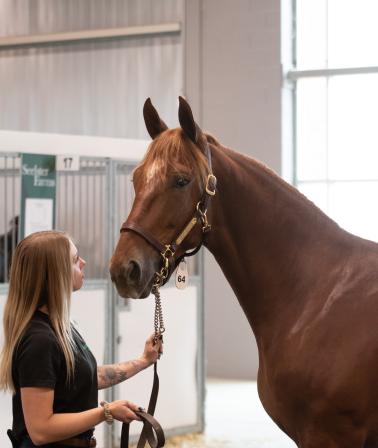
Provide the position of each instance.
(112, 374)
(64, 426)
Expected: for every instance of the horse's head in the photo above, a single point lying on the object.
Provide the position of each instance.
(169, 183)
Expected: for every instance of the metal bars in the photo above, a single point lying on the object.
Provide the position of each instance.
(83, 209)
(9, 210)
(82, 212)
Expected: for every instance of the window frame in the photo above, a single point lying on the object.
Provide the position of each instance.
(291, 76)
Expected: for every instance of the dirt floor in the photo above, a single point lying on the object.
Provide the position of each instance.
(194, 441)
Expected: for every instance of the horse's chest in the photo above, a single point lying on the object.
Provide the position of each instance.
(283, 394)
(276, 403)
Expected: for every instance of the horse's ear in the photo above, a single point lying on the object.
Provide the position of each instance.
(188, 125)
(154, 124)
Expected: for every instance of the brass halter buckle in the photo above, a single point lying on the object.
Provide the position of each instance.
(163, 274)
(206, 227)
(168, 250)
(211, 180)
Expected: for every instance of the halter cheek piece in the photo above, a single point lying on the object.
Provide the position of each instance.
(168, 251)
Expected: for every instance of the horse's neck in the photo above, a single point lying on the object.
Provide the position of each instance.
(270, 241)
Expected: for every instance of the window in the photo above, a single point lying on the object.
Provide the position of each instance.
(336, 109)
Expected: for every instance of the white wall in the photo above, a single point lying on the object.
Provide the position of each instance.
(233, 81)
(92, 87)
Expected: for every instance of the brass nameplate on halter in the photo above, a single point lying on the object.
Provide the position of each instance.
(186, 231)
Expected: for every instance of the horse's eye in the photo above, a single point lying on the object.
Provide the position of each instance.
(181, 181)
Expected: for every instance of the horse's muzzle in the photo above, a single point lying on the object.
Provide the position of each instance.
(129, 281)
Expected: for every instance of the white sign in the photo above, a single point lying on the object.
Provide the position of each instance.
(38, 215)
(182, 276)
(67, 162)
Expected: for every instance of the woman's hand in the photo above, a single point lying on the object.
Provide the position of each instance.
(124, 410)
(152, 351)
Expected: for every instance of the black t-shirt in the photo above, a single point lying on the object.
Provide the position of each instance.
(38, 361)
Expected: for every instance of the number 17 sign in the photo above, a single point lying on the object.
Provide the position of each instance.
(67, 162)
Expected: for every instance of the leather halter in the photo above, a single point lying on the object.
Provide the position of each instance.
(167, 251)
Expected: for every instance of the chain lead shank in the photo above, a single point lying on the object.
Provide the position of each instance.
(158, 317)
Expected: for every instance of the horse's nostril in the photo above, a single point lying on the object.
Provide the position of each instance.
(133, 272)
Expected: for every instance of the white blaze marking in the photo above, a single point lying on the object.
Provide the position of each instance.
(153, 170)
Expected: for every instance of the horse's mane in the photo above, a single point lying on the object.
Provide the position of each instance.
(272, 177)
(173, 151)
(293, 191)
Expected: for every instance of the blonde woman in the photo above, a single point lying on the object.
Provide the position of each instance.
(45, 362)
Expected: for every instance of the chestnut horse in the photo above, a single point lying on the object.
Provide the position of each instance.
(308, 288)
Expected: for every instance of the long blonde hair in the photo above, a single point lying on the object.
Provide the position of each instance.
(41, 270)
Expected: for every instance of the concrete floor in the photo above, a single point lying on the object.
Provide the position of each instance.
(235, 418)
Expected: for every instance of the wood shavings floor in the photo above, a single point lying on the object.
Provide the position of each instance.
(235, 418)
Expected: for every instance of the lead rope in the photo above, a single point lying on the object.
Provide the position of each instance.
(152, 432)
(156, 438)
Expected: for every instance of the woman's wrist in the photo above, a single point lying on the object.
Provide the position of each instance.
(101, 415)
(143, 362)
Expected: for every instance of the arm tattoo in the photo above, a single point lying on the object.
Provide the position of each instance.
(112, 374)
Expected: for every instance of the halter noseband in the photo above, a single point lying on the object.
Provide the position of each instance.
(167, 251)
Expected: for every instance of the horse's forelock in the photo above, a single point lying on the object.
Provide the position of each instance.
(172, 151)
